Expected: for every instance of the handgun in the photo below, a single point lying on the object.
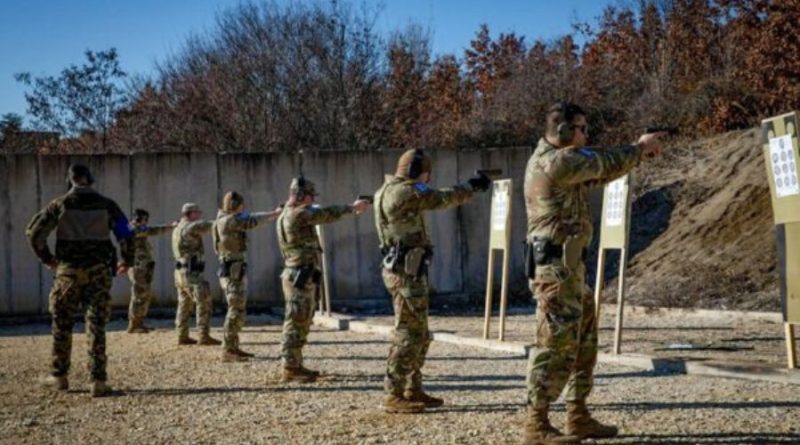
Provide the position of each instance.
(491, 173)
(671, 131)
(369, 198)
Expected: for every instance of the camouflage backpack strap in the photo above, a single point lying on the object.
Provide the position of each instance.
(284, 240)
(383, 220)
(215, 236)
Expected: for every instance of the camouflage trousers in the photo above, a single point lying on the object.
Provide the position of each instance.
(72, 288)
(300, 306)
(411, 337)
(236, 296)
(193, 291)
(565, 351)
(141, 277)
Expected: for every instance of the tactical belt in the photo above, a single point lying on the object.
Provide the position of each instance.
(411, 261)
(543, 252)
(193, 265)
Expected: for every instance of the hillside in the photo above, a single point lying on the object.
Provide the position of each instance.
(702, 233)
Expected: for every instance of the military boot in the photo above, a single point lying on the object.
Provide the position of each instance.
(100, 389)
(57, 382)
(310, 371)
(137, 328)
(581, 424)
(399, 405)
(207, 340)
(539, 431)
(233, 356)
(186, 341)
(299, 375)
(419, 395)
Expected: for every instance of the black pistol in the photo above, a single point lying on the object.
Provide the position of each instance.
(671, 131)
(491, 173)
(369, 198)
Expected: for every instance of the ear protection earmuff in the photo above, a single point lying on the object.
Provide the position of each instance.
(565, 129)
(300, 194)
(415, 167)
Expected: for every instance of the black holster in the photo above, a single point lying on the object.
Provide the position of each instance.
(301, 276)
(540, 252)
(410, 261)
(233, 269)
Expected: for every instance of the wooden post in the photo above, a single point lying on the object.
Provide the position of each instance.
(623, 256)
(504, 294)
(598, 282)
(791, 347)
(487, 315)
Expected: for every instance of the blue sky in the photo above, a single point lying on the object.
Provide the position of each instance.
(44, 36)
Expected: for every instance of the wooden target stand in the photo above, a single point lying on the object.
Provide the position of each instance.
(779, 138)
(614, 230)
(325, 300)
(499, 239)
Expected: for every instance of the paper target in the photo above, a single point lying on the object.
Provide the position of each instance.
(500, 207)
(616, 203)
(784, 166)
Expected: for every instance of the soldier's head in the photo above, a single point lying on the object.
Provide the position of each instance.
(414, 164)
(566, 125)
(191, 211)
(141, 216)
(301, 192)
(232, 202)
(79, 175)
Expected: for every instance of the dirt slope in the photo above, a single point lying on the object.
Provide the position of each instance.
(702, 232)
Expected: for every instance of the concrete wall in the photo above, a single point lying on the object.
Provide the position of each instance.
(162, 182)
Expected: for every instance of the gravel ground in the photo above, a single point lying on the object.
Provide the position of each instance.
(729, 339)
(169, 394)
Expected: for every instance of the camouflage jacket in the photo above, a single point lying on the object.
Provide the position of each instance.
(187, 239)
(82, 219)
(296, 235)
(557, 182)
(230, 233)
(399, 204)
(142, 247)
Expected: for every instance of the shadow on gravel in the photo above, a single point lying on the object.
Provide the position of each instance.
(653, 406)
(480, 408)
(427, 359)
(166, 392)
(721, 438)
(676, 328)
(629, 375)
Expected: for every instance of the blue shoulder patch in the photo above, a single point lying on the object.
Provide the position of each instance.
(243, 216)
(122, 228)
(585, 152)
(422, 187)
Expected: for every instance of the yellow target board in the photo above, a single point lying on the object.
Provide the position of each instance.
(779, 138)
(614, 229)
(499, 239)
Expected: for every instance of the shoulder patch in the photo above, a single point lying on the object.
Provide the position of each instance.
(421, 187)
(586, 152)
(243, 216)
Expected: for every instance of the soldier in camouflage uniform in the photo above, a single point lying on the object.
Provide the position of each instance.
(300, 279)
(230, 245)
(84, 264)
(557, 181)
(406, 245)
(141, 274)
(193, 290)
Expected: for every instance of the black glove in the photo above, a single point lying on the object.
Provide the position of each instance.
(480, 182)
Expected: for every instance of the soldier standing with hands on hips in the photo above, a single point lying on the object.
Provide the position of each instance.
(230, 244)
(558, 178)
(84, 264)
(301, 274)
(407, 249)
